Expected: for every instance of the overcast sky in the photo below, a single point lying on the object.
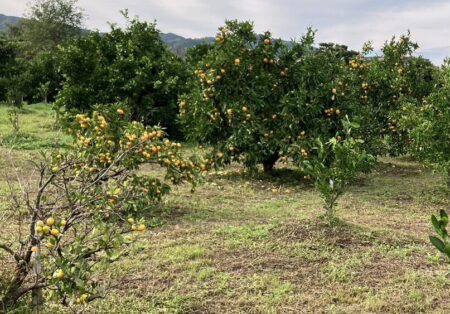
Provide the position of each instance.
(351, 22)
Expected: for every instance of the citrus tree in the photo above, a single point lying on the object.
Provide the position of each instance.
(428, 125)
(7, 64)
(334, 163)
(236, 104)
(382, 83)
(130, 64)
(86, 206)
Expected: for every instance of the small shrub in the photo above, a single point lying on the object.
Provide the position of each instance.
(335, 164)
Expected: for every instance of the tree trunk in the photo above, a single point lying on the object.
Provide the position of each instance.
(36, 293)
(13, 292)
(269, 162)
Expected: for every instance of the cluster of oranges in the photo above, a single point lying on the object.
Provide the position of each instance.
(85, 121)
(358, 63)
(135, 226)
(331, 111)
(49, 229)
(304, 153)
(392, 126)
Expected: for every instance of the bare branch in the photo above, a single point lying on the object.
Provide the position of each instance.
(8, 249)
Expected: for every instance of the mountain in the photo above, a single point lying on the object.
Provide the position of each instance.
(179, 44)
(176, 43)
(435, 55)
(7, 20)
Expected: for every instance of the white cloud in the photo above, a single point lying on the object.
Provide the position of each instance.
(350, 22)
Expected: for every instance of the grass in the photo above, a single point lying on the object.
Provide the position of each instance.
(37, 131)
(243, 244)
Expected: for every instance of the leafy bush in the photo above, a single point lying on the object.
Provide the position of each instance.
(335, 164)
(428, 125)
(132, 65)
(384, 83)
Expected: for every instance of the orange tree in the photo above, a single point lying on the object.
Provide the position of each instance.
(256, 96)
(132, 65)
(87, 205)
(429, 132)
(236, 104)
(381, 84)
(258, 100)
(428, 125)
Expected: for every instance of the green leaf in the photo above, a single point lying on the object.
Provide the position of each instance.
(438, 244)
(444, 217)
(436, 225)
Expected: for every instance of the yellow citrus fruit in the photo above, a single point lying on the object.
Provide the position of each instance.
(84, 297)
(141, 227)
(58, 274)
(50, 221)
(54, 232)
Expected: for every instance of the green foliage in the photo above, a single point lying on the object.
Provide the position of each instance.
(43, 78)
(336, 163)
(428, 125)
(384, 84)
(132, 65)
(422, 77)
(12, 82)
(440, 226)
(196, 54)
(258, 99)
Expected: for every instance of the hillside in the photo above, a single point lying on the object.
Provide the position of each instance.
(177, 44)
(7, 20)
